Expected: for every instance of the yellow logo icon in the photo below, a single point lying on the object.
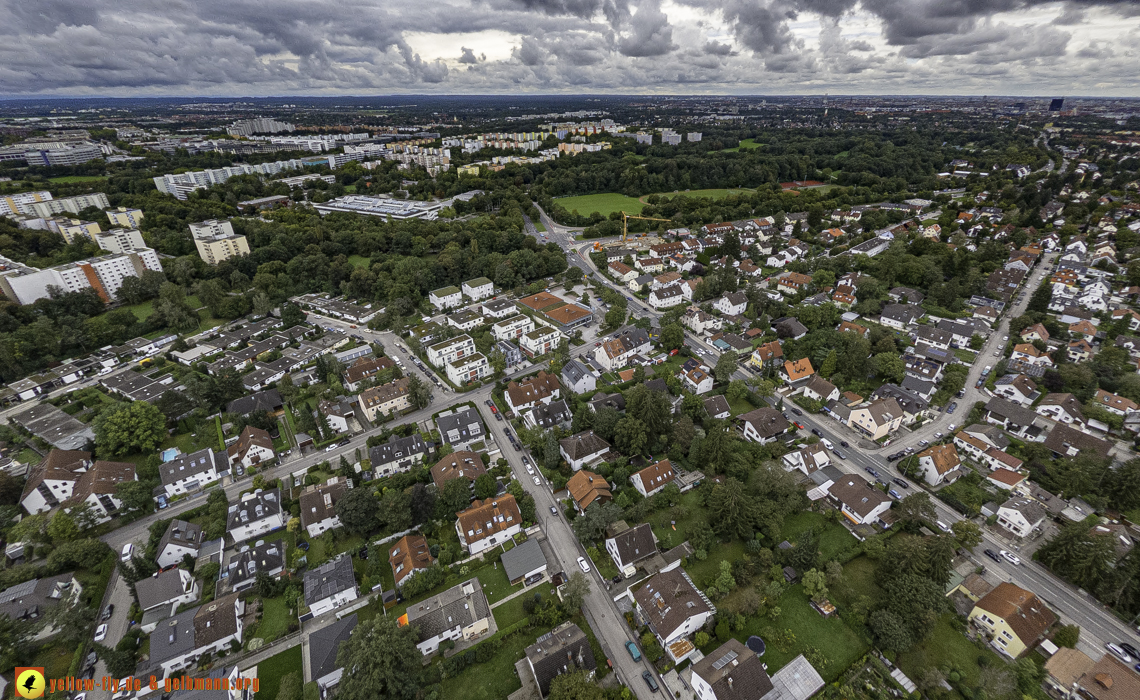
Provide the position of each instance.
(30, 683)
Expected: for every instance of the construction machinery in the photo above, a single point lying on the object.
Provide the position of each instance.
(625, 223)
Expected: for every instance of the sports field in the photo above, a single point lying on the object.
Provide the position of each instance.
(605, 204)
(745, 145)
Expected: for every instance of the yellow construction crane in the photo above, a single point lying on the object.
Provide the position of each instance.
(625, 223)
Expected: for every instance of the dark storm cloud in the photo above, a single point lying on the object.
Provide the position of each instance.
(284, 46)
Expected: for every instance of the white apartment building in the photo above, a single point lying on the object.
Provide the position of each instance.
(120, 240)
(105, 274)
(126, 218)
(216, 241)
(539, 341)
(512, 328)
(479, 288)
(183, 184)
(71, 229)
(72, 205)
(445, 297)
(444, 353)
(21, 203)
(468, 369)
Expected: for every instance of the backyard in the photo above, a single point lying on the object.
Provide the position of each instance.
(270, 671)
(946, 647)
(495, 679)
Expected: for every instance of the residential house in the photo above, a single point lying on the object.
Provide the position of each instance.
(1115, 404)
(1007, 479)
(539, 389)
(631, 545)
(499, 308)
(445, 352)
(1065, 441)
(621, 272)
(588, 488)
(697, 380)
(576, 377)
(96, 488)
(808, 459)
(796, 374)
(386, 399)
(1021, 515)
(253, 447)
(1031, 355)
(478, 288)
(673, 608)
(582, 448)
(1108, 679)
(462, 464)
(263, 557)
(819, 389)
(1018, 388)
(409, 556)
(859, 502)
(189, 472)
(666, 297)
(525, 563)
(28, 602)
(900, 316)
(939, 464)
(650, 480)
(468, 369)
(615, 353)
(1064, 667)
(53, 480)
(732, 304)
(459, 613)
(555, 413)
(1014, 618)
(717, 407)
(762, 425)
(767, 355)
(398, 455)
(877, 419)
(166, 588)
(207, 629)
(445, 298)
(539, 341)
(565, 649)
(180, 540)
(330, 586)
(460, 427)
(1063, 408)
(1014, 418)
(338, 414)
(488, 523)
(318, 505)
(698, 321)
(789, 328)
(257, 513)
(323, 646)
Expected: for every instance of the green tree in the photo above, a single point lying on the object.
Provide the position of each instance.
(915, 508)
(672, 336)
(737, 390)
(575, 685)
(62, 527)
(1067, 636)
(357, 510)
(726, 364)
(135, 495)
(891, 633)
(967, 533)
(453, 497)
(486, 486)
(815, 585)
(419, 393)
(631, 436)
(890, 366)
(735, 511)
(291, 315)
(137, 427)
(384, 660)
(575, 590)
(828, 367)
(498, 362)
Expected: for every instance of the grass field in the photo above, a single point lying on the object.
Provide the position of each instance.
(359, 261)
(604, 204)
(274, 619)
(745, 145)
(495, 679)
(834, 539)
(270, 671)
(77, 178)
(947, 646)
(712, 194)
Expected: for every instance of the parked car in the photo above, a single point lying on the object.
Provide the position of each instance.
(537, 481)
(101, 632)
(901, 482)
(553, 510)
(634, 652)
(128, 552)
(953, 405)
(1117, 651)
(518, 447)
(993, 555)
(1011, 557)
(843, 443)
(839, 454)
(894, 494)
(649, 680)
(530, 470)
(891, 458)
(1130, 649)
(162, 502)
(938, 435)
(815, 431)
(107, 612)
(583, 565)
(942, 526)
(923, 443)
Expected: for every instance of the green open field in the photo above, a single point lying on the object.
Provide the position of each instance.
(712, 194)
(604, 204)
(745, 145)
(77, 178)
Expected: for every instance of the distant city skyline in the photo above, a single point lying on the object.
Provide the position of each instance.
(289, 47)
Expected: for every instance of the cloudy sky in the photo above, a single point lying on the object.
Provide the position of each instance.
(278, 47)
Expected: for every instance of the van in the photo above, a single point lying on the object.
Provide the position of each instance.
(827, 443)
(942, 526)
(128, 552)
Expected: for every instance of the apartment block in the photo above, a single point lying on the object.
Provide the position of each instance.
(216, 241)
(120, 240)
(126, 218)
(21, 203)
(72, 205)
(105, 274)
(444, 353)
(74, 228)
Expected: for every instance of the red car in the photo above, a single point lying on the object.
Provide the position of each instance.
(798, 425)
(674, 351)
(494, 410)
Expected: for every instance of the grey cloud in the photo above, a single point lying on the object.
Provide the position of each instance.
(468, 56)
(652, 34)
(717, 49)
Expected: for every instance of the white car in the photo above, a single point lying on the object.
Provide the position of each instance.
(537, 481)
(128, 552)
(583, 565)
(1011, 557)
(1117, 651)
(530, 470)
(101, 632)
(1006, 338)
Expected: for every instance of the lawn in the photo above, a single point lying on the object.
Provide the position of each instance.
(76, 178)
(858, 580)
(495, 679)
(966, 356)
(663, 525)
(834, 539)
(270, 671)
(712, 194)
(604, 204)
(55, 660)
(810, 632)
(275, 619)
(511, 611)
(539, 227)
(495, 583)
(359, 261)
(745, 145)
(947, 646)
